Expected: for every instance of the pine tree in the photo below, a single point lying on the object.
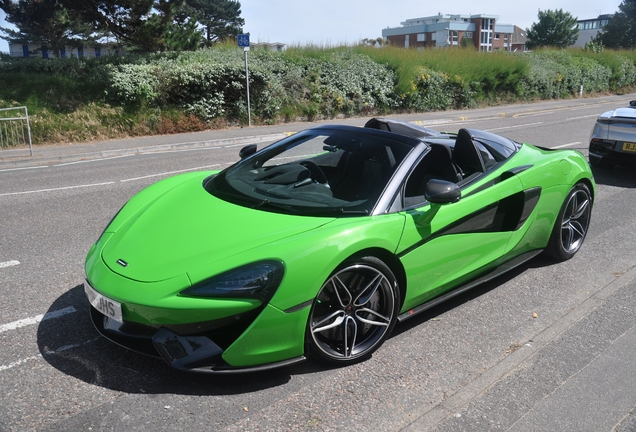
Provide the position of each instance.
(620, 32)
(221, 19)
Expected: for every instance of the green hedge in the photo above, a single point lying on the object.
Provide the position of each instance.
(173, 92)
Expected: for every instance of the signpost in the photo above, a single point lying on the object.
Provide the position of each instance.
(244, 42)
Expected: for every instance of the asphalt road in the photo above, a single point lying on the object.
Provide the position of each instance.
(546, 347)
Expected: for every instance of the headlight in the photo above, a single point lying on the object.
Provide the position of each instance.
(257, 280)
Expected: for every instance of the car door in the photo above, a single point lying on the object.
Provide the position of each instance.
(445, 244)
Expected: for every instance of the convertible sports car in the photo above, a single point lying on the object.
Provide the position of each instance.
(613, 139)
(318, 244)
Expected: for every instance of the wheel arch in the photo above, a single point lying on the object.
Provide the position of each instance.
(587, 182)
(391, 261)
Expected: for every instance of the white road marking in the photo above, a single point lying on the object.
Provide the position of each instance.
(9, 263)
(36, 319)
(71, 346)
(109, 183)
(182, 150)
(24, 168)
(18, 363)
(583, 117)
(566, 145)
(57, 189)
(513, 127)
(47, 352)
(169, 173)
(92, 160)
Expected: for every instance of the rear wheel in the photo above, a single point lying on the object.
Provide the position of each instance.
(354, 312)
(572, 224)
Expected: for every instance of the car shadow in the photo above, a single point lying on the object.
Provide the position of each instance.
(537, 262)
(619, 176)
(68, 341)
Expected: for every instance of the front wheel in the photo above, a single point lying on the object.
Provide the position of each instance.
(572, 224)
(353, 313)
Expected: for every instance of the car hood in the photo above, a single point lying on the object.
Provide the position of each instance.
(185, 228)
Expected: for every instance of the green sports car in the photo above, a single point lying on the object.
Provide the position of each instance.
(319, 243)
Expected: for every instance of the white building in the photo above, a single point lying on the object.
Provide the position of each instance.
(589, 28)
(441, 30)
(17, 49)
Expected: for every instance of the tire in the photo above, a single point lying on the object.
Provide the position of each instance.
(353, 313)
(571, 225)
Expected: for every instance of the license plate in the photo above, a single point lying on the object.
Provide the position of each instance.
(629, 146)
(108, 307)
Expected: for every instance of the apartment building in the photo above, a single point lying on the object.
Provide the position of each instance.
(442, 30)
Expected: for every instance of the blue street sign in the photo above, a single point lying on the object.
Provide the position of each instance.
(244, 40)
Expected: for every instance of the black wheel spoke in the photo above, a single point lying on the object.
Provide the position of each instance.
(343, 294)
(368, 291)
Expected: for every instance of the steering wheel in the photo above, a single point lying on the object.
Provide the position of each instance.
(316, 173)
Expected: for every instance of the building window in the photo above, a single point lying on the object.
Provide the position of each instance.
(45, 51)
(80, 51)
(406, 41)
(421, 37)
(98, 51)
(496, 36)
(468, 35)
(433, 36)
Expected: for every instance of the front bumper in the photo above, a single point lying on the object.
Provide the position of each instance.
(195, 353)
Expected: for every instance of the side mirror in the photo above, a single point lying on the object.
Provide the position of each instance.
(442, 191)
(248, 150)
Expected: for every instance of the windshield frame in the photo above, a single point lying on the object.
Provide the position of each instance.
(248, 182)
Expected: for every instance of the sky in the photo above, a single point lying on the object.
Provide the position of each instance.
(337, 22)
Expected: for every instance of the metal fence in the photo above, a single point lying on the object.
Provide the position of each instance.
(15, 131)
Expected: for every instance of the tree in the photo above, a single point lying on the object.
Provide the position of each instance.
(221, 19)
(620, 32)
(140, 24)
(45, 22)
(184, 33)
(555, 28)
(145, 25)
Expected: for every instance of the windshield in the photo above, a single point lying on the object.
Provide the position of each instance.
(316, 172)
